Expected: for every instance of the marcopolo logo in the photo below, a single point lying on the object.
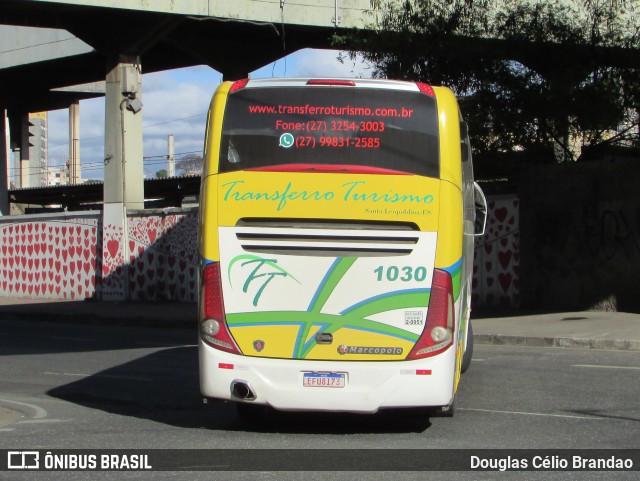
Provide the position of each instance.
(389, 351)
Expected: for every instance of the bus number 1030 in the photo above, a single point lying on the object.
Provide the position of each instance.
(403, 274)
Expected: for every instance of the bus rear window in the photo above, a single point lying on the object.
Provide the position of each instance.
(380, 128)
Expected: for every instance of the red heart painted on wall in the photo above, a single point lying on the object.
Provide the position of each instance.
(501, 214)
(112, 247)
(505, 281)
(505, 258)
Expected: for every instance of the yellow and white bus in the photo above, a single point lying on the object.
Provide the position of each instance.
(336, 245)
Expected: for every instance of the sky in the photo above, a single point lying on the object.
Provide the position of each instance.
(175, 102)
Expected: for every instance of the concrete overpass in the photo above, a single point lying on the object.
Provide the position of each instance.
(63, 43)
(232, 36)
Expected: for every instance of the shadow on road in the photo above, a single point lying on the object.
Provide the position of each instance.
(164, 387)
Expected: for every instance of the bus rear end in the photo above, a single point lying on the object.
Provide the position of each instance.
(331, 243)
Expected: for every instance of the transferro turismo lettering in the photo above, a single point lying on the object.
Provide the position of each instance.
(356, 191)
(234, 192)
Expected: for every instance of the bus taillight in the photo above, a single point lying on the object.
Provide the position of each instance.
(426, 89)
(238, 84)
(332, 82)
(438, 331)
(213, 326)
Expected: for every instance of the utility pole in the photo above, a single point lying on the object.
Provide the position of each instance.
(171, 170)
(74, 142)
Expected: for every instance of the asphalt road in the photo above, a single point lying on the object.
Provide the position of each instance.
(75, 387)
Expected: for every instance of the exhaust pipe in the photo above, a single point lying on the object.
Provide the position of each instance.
(242, 390)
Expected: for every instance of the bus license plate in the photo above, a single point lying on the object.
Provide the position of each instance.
(324, 379)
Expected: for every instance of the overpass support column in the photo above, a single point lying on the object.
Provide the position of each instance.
(25, 161)
(5, 159)
(123, 172)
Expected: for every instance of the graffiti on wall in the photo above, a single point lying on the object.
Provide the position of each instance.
(582, 241)
(612, 231)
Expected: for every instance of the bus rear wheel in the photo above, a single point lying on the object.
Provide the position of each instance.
(442, 411)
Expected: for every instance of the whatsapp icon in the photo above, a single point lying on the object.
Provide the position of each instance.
(286, 140)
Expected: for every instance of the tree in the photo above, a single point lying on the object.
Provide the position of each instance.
(534, 76)
(161, 174)
(190, 164)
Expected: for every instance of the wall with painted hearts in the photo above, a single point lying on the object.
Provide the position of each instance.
(163, 256)
(496, 267)
(61, 256)
(49, 255)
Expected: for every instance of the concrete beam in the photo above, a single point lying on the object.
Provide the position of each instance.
(88, 88)
(321, 13)
(27, 45)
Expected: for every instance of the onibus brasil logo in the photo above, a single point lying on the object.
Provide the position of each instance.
(260, 272)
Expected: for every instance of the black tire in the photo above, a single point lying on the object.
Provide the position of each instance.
(468, 353)
(448, 411)
(443, 411)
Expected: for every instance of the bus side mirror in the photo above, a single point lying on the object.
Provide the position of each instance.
(480, 203)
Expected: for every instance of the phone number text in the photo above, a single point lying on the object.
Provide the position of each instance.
(307, 141)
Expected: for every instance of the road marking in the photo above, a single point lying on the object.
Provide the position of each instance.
(107, 376)
(80, 339)
(633, 368)
(495, 411)
(6, 430)
(126, 378)
(40, 416)
(43, 421)
(40, 413)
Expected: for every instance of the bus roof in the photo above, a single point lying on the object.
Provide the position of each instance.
(337, 82)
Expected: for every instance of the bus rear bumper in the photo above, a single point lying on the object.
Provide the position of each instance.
(368, 386)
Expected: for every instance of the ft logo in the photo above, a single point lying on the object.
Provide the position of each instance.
(259, 272)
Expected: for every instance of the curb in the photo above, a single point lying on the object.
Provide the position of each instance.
(566, 342)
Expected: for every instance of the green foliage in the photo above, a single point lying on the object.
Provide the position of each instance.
(161, 174)
(539, 76)
(189, 164)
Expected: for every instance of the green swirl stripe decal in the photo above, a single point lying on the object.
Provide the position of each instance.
(354, 317)
(456, 276)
